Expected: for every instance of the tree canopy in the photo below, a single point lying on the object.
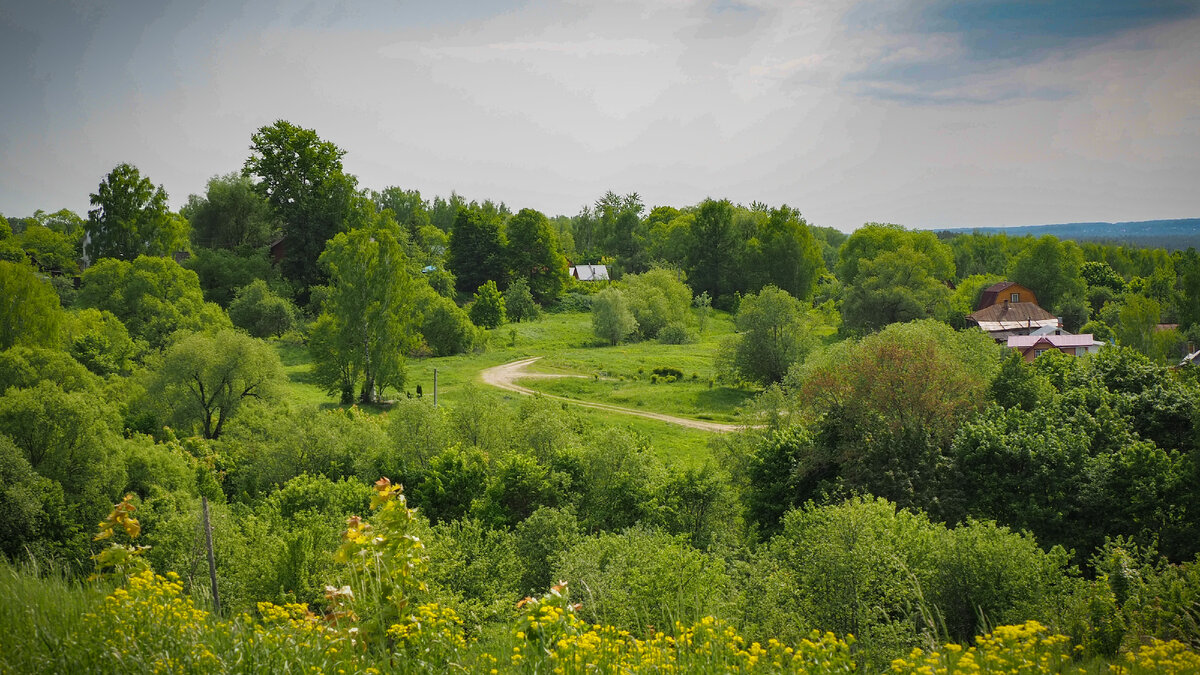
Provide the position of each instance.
(131, 218)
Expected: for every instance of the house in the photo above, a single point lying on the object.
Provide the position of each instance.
(1005, 291)
(589, 272)
(1031, 346)
(1014, 318)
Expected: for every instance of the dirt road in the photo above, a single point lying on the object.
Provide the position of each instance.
(506, 376)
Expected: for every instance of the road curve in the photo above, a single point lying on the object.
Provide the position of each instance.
(506, 376)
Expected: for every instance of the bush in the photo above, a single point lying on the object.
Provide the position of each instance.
(674, 333)
(446, 327)
(641, 580)
(518, 301)
(663, 371)
(260, 312)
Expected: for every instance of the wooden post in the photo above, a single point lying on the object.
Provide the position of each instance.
(212, 562)
(435, 387)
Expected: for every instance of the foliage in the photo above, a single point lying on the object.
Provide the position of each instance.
(230, 215)
(488, 308)
(477, 249)
(1051, 269)
(641, 580)
(98, 340)
(533, 253)
(775, 333)
(204, 378)
(612, 320)
(656, 298)
(50, 251)
(222, 272)
(369, 319)
(518, 301)
(260, 312)
(447, 329)
(29, 309)
(153, 297)
(131, 218)
(301, 177)
(895, 286)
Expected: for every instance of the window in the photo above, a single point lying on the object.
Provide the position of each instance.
(1039, 352)
(1016, 297)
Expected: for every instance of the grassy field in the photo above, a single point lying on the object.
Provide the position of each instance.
(566, 345)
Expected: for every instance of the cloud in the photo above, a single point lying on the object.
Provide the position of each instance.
(940, 51)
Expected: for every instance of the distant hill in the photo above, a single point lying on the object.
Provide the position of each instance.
(1168, 234)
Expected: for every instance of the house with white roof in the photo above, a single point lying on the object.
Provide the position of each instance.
(1031, 346)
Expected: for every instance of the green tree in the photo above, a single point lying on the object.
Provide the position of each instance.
(894, 287)
(786, 253)
(153, 297)
(50, 251)
(410, 211)
(204, 378)
(446, 327)
(1137, 327)
(370, 314)
(1051, 269)
(518, 301)
(709, 266)
(29, 309)
(261, 312)
(98, 340)
(222, 272)
(131, 218)
(477, 249)
(231, 215)
(657, 298)
(611, 319)
(487, 310)
(534, 254)
(874, 239)
(774, 333)
(301, 177)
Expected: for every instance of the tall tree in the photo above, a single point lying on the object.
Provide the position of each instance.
(708, 264)
(477, 245)
(301, 177)
(231, 215)
(789, 258)
(533, 254)
(131, 218)
(896, 286)
(1051, 269)
(406, 205)
(369, 318)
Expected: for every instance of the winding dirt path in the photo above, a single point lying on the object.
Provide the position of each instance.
(506, 376)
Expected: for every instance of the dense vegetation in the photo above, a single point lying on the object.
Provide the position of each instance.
(897, 481)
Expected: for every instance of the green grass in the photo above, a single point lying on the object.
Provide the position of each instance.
(566, 344)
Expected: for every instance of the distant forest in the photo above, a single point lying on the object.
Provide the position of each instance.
(1173, 235)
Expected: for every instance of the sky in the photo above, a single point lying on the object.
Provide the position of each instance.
(924, 113)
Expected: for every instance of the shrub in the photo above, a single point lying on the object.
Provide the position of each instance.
(260, 312)
(674, 333)
(488, 309)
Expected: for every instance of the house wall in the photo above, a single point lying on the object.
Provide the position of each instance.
(1023, 295)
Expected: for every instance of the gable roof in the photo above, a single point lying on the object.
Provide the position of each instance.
(1023, 342)
(590, 272)
(1018, 314)
(988, 298)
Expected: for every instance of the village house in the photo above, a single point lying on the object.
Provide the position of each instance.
(1006, 319)
(589, 272)
(1005, 291)
(1032, 346)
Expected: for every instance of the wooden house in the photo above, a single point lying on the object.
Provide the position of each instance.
(1031, 346)
(1005, 291)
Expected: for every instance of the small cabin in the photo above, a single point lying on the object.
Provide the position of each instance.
(1005, 291)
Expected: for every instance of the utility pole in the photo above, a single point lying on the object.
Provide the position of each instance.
(435, 387)
(212, 562)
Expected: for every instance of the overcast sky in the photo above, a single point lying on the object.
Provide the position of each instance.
(929, 114)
